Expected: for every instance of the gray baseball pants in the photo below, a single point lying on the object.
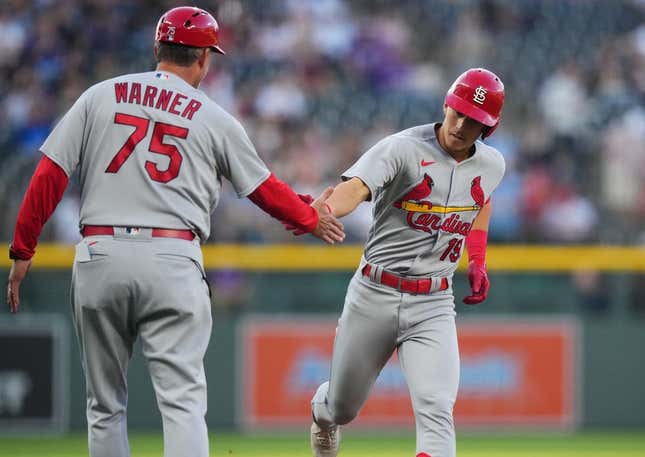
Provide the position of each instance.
(128, 286)
(376, 320)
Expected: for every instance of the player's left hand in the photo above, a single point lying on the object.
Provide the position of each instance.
(479, 284)
(18, 271)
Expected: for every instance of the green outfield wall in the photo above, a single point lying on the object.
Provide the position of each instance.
(609, 303)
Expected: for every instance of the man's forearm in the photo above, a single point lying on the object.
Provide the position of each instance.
(347, 196)
(45, 191)
(280, 201)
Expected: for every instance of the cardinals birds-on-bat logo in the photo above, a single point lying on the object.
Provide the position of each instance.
(419, 193)
(422, 214)
(476, 191)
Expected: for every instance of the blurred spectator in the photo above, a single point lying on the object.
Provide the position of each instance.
(471, 42)
(12, 38)
(506, 219)
(623, 173)
(623, 177)
(378, 52)
(281, 99)
(569, 217)
(564, 101)
(316, 82)
(219, 85)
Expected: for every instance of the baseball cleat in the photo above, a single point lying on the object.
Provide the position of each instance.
(324, 442)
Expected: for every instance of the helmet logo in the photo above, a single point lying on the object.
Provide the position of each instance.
(171, 33)
(479, 95)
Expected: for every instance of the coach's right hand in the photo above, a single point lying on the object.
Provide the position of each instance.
(329, 229)
(18, 271)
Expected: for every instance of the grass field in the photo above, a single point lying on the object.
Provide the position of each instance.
(353, 445)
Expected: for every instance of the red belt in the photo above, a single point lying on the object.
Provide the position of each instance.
(91, 230)
(411, 286)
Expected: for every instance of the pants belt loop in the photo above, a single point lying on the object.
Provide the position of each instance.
(436, 283)
(375, 273)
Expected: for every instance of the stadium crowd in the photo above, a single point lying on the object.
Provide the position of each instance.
(316, 82)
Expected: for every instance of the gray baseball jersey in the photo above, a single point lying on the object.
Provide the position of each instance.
(151, 151)
(424, 200)
(425, 203)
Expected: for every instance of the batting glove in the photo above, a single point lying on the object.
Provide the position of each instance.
(479, 284)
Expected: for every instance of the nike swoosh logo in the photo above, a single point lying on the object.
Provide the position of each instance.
(425, 164)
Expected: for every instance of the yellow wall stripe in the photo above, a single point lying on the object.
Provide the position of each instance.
(303, 257)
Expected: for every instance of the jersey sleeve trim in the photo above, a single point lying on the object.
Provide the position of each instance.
(56, 160)
(250, 189)
(370, 185)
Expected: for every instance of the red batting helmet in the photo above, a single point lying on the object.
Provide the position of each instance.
(189, 26)
(479, 94)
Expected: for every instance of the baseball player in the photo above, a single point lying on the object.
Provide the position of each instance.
(431, 188)
(151, 150)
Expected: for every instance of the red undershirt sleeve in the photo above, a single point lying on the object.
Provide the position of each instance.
(280, 201)
(45, 191)
(476, 242)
